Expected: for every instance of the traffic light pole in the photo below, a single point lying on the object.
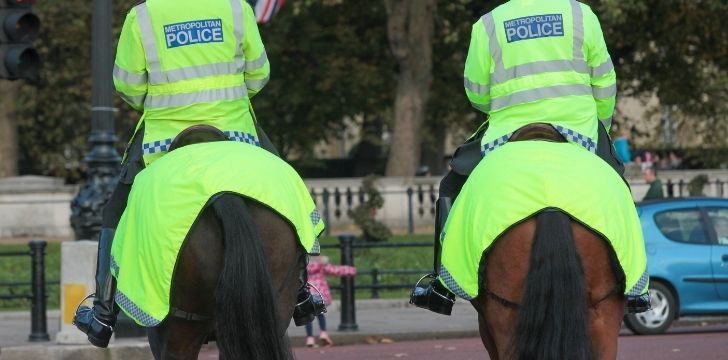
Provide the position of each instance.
(103, 160)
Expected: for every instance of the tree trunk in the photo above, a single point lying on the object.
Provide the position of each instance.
(410, 29)
(8, 129)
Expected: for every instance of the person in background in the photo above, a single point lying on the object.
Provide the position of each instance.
(621, 145)
(655, 190)
(318, 267)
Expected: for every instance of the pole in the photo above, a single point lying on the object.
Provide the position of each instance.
(348, 308)
(38, 321)
(102, 160)
(410, 216)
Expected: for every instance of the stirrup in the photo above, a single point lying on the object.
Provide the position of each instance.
(639, 303)
(431, 295)
(93, 315)
(309, 305)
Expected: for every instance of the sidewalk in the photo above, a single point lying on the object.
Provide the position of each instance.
(377, 320)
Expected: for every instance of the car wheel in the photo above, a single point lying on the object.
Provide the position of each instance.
(658, 319)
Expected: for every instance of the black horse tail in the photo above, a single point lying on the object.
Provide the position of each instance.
(247, 326)
(554, 303)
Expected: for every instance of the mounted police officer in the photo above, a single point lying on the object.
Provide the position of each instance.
(530, 61)
(182, 63)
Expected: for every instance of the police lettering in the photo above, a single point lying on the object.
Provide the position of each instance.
(193, 32)
(534, 27)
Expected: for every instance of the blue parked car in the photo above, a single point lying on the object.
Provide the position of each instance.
(687, 257)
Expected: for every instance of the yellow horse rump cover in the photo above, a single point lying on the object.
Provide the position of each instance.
(168, 196)
(520, 179)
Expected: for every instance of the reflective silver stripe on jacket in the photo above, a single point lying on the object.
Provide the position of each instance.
(604, 93)
(480, 89)
(210, 95)
(602, 69)
(157, 76)
(135, 101)
(482, 107)
(539, 94)
(257, 63)
(129, 77)
(578, 20)
(255, 84)
(148, 43)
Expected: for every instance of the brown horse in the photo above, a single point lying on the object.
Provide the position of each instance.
(551, 292)
(236, 277)
(549, 287)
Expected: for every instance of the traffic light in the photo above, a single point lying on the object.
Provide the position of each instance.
(18, 28)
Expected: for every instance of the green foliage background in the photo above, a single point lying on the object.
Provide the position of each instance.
(330, 60)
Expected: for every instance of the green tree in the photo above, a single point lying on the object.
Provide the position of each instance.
(678, 50)
(329, 60)
(54, 115)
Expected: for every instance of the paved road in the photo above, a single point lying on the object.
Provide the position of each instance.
(704, 343)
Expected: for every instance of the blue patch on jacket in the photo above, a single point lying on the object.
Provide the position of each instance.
(534, 27)
(193, 32)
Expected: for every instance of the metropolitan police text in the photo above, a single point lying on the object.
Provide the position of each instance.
(193, 32)
(533, 27)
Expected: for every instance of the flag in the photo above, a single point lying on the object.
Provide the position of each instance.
(265, 9)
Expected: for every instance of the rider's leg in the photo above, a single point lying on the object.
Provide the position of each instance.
(98, 322)
(606, 150)
(432, 295)
(265, 142)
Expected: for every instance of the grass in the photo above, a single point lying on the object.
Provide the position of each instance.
(18, 269)
(385, 259)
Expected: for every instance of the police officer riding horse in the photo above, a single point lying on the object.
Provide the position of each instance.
(182, 63)
(529, 62)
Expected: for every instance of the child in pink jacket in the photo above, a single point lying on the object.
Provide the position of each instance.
(318, 268)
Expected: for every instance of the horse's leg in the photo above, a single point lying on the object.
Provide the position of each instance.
(605, 315)
(485, 335)
(283, 252)
(178, 339)
(193, 287)
(506, 268)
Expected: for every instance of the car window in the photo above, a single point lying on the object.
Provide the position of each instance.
(719, 220)
(682, 225)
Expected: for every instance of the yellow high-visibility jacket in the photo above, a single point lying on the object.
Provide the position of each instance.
(541, 61)
(188, 62)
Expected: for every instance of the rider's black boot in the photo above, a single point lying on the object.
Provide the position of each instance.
(431, 294)
(308, 305)
(98, 322)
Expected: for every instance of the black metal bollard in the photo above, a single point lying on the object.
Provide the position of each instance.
(410, 216)
(348, 308)
(38, 320)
